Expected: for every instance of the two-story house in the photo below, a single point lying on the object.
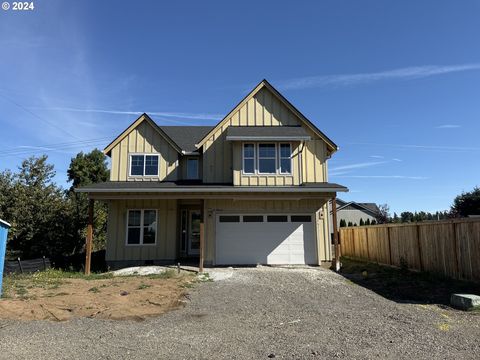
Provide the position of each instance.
(252, 189)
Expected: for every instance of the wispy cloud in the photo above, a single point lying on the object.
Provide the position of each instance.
(447, 126)
(408, 73)
(397, 160)
(357, 166)
(422, 147)
(383, 177)
(377, 156)
(179, 115)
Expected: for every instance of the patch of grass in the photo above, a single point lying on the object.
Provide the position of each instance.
(94, 290)
(444, 327)
(50, 279)
(143, 286)
(167, 274)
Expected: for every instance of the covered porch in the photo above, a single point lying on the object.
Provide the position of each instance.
(186, 223)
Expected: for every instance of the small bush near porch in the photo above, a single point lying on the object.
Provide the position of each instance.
(58, 295)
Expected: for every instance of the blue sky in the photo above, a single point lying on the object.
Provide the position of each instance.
(395, 84)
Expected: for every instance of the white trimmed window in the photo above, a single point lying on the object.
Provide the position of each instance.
(249, 158)
(285, 158)
(144, 164)
(141, 227)
(267, 159)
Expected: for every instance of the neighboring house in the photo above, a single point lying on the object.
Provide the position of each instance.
(353, 212)
(257, 182)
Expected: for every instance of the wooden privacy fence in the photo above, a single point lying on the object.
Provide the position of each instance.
(450, 248)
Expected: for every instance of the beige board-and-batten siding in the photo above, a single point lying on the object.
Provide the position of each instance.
(144, 139)
(449, 248)
(222, 160)
(167, 224)
(316, 207)
(167, 230)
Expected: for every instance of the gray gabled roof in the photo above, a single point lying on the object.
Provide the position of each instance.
(235, 133)
(186, 136)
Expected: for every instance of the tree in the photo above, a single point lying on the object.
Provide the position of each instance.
(406, 216)
(350, 223)
(362, 223)
(40, 214)
(86, 169)
(367, 222)
(374, 222)
(343, 223)
(468, 203)
(395, 218)
(383, 214)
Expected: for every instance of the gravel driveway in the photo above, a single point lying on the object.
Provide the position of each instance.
(256, 314)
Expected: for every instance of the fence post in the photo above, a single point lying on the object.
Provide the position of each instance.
(456, 252)
(389, 246)
(44, 263)
(419, 245)
(20, 265)
(368, 249)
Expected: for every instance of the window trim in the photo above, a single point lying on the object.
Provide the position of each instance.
(197, 175)
(280, 158)
(142, 226)
(144, 165)
(267, 158)
(254, 158)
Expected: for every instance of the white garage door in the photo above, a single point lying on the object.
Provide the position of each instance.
(265, 239)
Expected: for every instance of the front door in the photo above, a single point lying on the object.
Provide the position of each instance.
(194, 218)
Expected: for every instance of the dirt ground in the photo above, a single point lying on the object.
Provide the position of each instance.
(57, 298)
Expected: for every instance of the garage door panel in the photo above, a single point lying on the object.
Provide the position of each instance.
(265, 242)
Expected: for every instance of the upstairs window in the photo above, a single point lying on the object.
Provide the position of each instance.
(285, 156)
(192, 169)
(249, 158)
(267, 160)
(143, 165)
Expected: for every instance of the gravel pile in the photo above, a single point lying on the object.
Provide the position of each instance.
(261, 313)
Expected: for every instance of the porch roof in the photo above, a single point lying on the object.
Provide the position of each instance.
(172, 187)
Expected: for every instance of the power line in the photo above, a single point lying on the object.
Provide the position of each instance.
(50, 149)
(16, 149)
(38, 117)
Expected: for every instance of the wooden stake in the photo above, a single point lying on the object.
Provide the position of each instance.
(88, 244)
(202, 245)
(202, 239)
(335, 235)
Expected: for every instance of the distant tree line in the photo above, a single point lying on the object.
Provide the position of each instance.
(464, 205)
(46, 219)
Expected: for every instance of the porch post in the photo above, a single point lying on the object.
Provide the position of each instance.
(202, 237)
(88, 244)
(336, 263)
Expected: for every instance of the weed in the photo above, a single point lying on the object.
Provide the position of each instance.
(94, 290)
(143, 286)
(167, 274)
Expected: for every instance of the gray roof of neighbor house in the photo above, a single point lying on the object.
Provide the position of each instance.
(186, 136)
(372, 207)
(267, 133)
(154, 186)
